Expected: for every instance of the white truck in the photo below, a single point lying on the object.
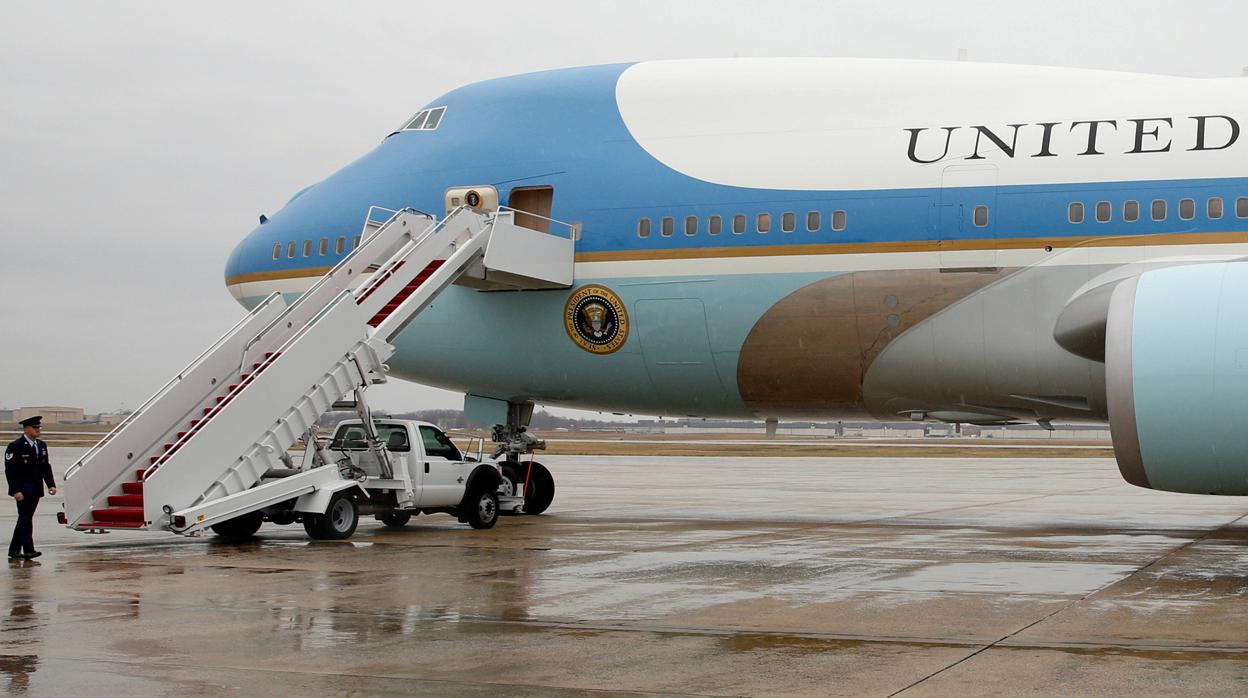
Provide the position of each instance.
(428, 474)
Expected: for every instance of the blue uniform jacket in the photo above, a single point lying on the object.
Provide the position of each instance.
(27, 468)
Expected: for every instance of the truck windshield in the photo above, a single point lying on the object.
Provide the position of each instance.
(350, 437)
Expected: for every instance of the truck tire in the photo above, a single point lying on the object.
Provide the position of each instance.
(541, 488)
(395, 519)
(337, 523)
(483, 510)
(240, 528)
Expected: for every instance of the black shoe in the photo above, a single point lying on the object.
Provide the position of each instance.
(31, 556)
(16, 556)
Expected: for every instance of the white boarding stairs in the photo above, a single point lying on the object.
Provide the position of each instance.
(192, 455)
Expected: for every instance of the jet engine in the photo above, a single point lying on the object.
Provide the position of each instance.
(1176, 375)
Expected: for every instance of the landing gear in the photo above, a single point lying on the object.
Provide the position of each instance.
(512, 442)
(536, 481)
(337, 523)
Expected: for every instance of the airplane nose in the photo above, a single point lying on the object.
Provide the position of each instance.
(236, 269)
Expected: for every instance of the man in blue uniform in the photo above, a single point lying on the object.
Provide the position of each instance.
(26, 467)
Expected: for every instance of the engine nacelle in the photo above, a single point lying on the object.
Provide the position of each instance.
(1176, 375)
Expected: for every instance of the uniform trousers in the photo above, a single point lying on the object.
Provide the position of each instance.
(24, 533)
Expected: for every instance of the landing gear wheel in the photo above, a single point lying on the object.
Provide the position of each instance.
(483, 510)
(540, 491)
(510, 482)
(239, 528)
(397, 519)
(337, 523)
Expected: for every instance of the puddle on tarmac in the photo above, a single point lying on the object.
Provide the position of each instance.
(1047, 578)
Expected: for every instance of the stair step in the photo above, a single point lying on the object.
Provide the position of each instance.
(125, 500)
(112, 524)
(138, 474)
(232, 387)
(118, 514)
(132, 487)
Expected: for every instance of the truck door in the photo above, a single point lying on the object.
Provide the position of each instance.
(443, 471)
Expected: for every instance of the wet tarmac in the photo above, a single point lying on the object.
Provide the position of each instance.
(671, 576)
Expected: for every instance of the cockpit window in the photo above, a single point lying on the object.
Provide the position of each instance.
(425, 120)
(435, 116)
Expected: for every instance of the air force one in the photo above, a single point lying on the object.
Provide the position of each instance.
(785, 238)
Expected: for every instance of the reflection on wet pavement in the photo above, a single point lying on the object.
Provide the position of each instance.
(839, 577)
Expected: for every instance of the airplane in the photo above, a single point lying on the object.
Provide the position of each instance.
(835, 238)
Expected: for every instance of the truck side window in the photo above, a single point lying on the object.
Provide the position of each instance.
(438, 444)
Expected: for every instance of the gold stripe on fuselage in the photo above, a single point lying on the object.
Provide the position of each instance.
(839, 248)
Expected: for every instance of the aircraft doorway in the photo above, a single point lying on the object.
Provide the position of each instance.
(964, 219)
(537, 201)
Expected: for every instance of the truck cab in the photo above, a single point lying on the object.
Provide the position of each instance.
(435, 466)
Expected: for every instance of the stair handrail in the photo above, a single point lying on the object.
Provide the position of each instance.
(221, 406)
(572, 227)
(142, 409)
(347, 259)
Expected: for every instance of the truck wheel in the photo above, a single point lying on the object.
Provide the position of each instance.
(395, 519)
(239, 528)
(540, 491)
(483, 512)
(337, 523)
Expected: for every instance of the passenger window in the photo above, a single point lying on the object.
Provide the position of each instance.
(738, 224)
(788, 221)
(1104, 211)
(307, 248)
(340, 245)
(1159, 209)
(355, 244)
(715, 225)
(980, 216)
(277, 250)
(290, 250)
(324, 248)
(1075, 213)
(438, 444)
(1213, 208)
(812, 221)
(691, 225)
(1187, 209)
(669, 227)
(1131, 211)
(1241, 207)
(763, 223)
(643, 228)
(839, 220)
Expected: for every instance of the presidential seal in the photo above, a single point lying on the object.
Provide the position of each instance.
(596, 320)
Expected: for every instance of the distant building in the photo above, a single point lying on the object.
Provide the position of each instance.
(51, 415)
(111, 418)
(6, 415)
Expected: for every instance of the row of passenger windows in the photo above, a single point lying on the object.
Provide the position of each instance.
(1158, 210)
(322, 248)
(692, 225)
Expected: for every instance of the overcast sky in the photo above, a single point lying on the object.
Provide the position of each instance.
(139, 141)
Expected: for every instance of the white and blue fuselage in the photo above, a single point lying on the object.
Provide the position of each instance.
(802, 237)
